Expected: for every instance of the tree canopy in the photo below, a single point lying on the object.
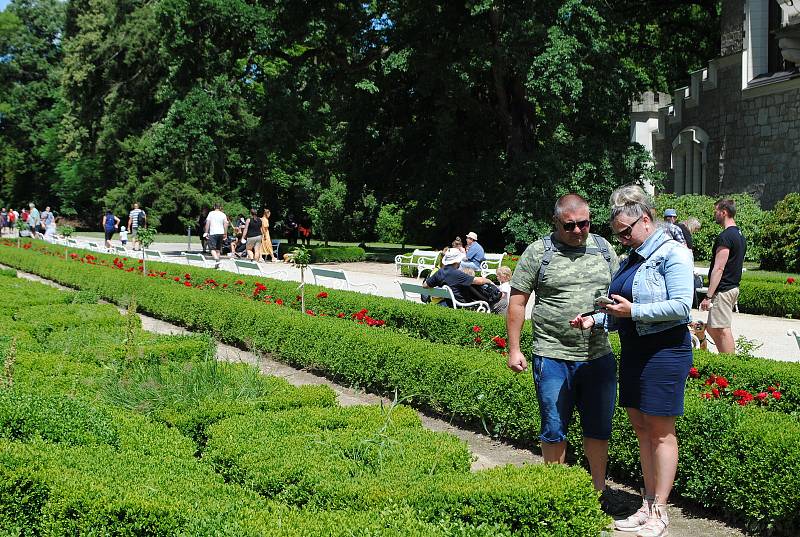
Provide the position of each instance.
(464, 116)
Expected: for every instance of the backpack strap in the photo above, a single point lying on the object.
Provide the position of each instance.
(547, 256)
(602, 246)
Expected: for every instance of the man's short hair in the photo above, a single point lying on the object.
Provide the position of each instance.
(569, 202)
(218, 206)
(727, 205)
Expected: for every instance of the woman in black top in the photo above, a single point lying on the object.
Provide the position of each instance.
(252, 233)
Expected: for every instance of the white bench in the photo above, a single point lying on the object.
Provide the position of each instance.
(340, 276)
(154, 254)
(439, 292)
(419, 259)
(246, 264)
(94, 246)
(198, 258)
(701, 291)
(793, 333)
(491, 263)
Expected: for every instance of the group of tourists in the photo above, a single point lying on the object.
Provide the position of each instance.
(458, 267)
(583, 291)
(38, 224)
(249, 238)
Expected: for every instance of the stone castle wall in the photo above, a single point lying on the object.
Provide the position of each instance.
(754, 140)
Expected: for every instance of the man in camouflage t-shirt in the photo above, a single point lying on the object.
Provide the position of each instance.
(571, 368)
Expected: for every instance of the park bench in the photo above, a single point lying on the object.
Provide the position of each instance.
(340, 276)
(701, 291)
(491, 263)
(154, 254)
(419, 259)
(793, 333)
(197, 258)
(94, 246)
(245, 265)
(439, 292)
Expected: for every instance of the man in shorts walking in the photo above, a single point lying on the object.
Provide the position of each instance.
(568, 270)
(136, 218)
(216, 231)
(724, 276)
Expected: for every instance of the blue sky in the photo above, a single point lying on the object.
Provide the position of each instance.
(3, 4)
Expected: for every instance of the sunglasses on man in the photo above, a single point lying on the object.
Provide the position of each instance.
(582, 224)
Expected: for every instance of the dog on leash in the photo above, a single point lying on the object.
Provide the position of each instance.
(699, 338)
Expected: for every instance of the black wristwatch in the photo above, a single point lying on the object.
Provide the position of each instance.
(711, 297)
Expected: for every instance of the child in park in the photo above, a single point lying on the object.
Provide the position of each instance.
(123, 236)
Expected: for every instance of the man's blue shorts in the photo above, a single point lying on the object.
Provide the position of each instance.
(562, 385)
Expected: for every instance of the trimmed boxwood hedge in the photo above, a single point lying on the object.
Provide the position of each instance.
(337, 254)
(469, 383)
(67, 474)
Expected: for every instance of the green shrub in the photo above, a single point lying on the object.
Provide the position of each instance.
(337, 254)
(8, 273)
(469, 384)
(768, 298)
(749, 218)
(365, 458)
(780, 235)
(85, 297)
(24, 416)
(192, 396)
(389, 225)
(57, 374)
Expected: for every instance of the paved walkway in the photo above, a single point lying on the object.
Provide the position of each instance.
(771, 333)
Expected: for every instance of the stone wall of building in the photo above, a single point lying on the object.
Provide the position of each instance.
(754, 141)
(732, 27)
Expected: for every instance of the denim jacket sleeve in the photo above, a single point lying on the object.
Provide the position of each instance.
(678, 272)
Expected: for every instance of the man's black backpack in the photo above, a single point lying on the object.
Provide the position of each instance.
(141, 219)
(487, 292)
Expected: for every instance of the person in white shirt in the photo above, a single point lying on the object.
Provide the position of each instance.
(504, 277)
(216, 231)
(136, 218)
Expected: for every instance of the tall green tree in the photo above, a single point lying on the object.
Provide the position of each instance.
(30, 101)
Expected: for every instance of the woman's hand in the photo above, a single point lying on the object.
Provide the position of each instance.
(621, 309)
(582, 322)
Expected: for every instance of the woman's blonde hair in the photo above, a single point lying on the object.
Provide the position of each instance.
(692, 224)
(631, 201)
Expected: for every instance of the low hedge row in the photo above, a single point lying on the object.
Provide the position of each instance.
(67, 478)
(337, 254)
(367, 458)
(769, 298)
(471, 384)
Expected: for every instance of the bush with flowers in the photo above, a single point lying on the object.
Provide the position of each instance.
(756, 439)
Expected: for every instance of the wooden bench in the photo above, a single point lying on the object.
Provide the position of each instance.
(439, 292)
(340, 276)
(419, 259)
(491, 263)
(246, 264)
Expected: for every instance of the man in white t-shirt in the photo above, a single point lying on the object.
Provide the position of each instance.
(216, 231)
(137, 217)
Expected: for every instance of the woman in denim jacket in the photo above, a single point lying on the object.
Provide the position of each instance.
(652, 291)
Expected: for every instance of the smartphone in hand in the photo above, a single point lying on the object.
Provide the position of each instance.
(604, 301)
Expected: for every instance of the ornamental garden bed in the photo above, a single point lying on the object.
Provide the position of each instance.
(397, 346)
(105, 429)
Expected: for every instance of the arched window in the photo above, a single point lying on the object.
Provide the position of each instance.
(688, 161)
